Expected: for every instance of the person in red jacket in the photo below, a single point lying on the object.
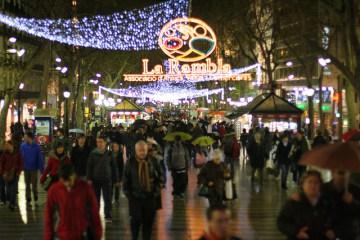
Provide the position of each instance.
(71, 211)
(55, 160)
(11, 165)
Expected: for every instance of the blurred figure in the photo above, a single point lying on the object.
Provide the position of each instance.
(219, 224)
(11, 165)
(142, 186)
(117, 156)
(100, 174)
(310, 217)
(33, 162)
(79, 156)
(283, 160)
(71, 211)
(56, 159)
(257, 154)
(344, 206)
(60, 137)
(244, 137)
(319, 139)
(178, 161)
(213, 176)
(300, 146)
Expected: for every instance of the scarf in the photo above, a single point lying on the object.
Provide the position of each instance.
(144, 175)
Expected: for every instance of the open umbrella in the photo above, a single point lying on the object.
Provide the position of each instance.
(339, 156)
(77, 130)
(170, 137)
(203, 141)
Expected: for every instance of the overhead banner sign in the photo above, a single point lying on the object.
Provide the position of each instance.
(187, 41)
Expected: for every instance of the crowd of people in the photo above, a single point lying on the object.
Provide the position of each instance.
(76, 173)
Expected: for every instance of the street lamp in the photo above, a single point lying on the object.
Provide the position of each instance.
(66, 95)
(323, 63)
(21, 87)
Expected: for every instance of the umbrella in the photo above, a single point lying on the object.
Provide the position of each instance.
(339, 156)
(350, 134)
(76, 130)
(170, 137)
(203, 141)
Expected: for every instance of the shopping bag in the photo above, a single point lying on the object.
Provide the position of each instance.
(229, 191)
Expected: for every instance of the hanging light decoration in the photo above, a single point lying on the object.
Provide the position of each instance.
(128, 30)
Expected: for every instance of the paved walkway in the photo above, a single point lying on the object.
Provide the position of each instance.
(254, 213)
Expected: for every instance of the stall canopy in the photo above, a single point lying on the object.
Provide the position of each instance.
(269, 105)
(127, 106)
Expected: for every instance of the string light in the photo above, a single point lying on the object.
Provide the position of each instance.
(128, 30)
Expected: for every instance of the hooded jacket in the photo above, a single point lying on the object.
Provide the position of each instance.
(53, 165)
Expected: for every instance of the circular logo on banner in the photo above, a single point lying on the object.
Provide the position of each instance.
(187, 39)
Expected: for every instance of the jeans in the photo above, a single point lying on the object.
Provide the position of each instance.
(284, 168)
(11, 189)
(142, 215)
(31, 181)
(105, 187)
(180, 181)
(2, 190)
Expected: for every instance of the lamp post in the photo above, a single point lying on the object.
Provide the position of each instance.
(21, 87)
(66, 95)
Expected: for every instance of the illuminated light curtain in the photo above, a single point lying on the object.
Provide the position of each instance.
(129, 30)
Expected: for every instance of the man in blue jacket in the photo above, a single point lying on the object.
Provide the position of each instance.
(33, 162)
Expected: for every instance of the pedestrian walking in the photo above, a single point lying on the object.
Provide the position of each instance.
(319, 139)
(33, 163)
(56, 158)
(283, 160)
(257, 155)
(219, 224)
(71, 211)
(60, 138)
(11, 166)
(244, 138)
(100, 174)
(117, 156)
(79, 156)
(300, 146)
(310, 216)
(178, 161)
(142, 186)
(212, 177)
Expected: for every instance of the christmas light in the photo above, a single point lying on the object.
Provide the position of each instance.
(128, 30)
(12, 40)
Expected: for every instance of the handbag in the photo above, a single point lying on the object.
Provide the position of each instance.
(47, 183)
(9, 176)
(203, 191)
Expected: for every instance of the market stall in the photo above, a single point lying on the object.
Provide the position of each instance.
(125, 113)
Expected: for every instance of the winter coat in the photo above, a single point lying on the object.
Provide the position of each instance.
(11, 162)
(178, 157)
(299, 147)
(32, 156)
(77, 211)
(53, 165)
(118, 158)
(212, 172)
(100, 167)
(256, 154)
(131, 184)
(79, 158)
(298, 214)
(345, 215)
(282, 154)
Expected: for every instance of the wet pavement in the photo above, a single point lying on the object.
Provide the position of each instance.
(254, 213)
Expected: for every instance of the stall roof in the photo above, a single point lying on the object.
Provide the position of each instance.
(127, 106)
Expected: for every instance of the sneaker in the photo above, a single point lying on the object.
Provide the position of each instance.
(108, 219)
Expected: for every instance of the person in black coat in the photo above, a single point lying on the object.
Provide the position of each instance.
(344, 205)
(257, 155)
(213, 175)
(117, 156)
(319, 140)
(79, 156)
(310, 216)
(283, 159)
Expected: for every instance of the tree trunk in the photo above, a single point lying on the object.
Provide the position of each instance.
(351, 106)
(3, 116)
